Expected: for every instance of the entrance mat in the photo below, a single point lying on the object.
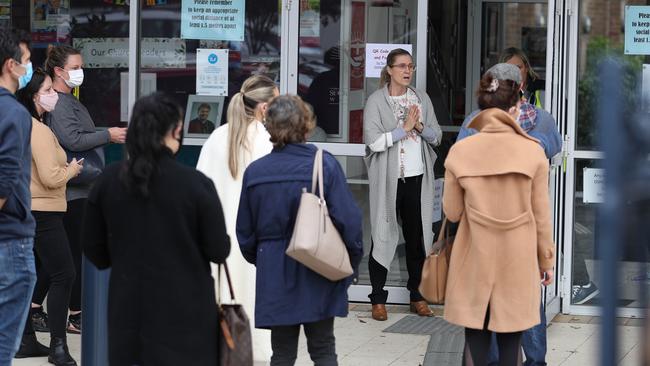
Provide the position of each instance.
(445, 343)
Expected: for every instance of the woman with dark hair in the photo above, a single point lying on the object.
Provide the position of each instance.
(400, 130)
(158, 224)
(288, 293)
(50, 173)
(496, 185)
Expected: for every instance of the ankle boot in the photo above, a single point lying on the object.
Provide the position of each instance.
(30, 347)
(59, 355)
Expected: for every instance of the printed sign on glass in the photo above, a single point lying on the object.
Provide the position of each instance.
(211, 72)
(213, 19)
(376, 54)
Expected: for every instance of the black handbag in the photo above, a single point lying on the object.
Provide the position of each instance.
(235, 340)
(93, 165)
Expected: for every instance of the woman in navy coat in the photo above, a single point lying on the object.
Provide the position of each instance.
(289, 294)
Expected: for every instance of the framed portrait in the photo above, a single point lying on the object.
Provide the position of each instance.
(202, 115)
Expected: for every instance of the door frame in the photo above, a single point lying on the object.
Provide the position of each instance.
(554, 95)
(571, 13)
(359, 293)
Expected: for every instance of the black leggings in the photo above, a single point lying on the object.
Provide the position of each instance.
(477, 346)
(53, 253)
(408, 209)
(72, 221)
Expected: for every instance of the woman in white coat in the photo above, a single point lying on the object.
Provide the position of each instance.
(224, 157)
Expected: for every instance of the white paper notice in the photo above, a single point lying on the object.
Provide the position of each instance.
(594, 186)
(211, 72)
(438, 186)
(376, 54)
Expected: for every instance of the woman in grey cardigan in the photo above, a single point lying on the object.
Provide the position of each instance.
(399, 129)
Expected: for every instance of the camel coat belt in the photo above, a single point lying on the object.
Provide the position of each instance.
(496, 185)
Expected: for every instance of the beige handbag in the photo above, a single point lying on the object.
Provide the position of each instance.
(436, 267)
(315, 242)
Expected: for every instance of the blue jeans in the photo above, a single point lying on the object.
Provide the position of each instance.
(17, 279)
(533, 342)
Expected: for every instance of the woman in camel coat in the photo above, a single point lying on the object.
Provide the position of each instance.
(496, 185)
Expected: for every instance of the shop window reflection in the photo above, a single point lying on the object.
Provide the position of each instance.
(259, 53)
(586, 276)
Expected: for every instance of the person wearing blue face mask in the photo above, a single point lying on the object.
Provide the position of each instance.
(17, 269)
(24, 80)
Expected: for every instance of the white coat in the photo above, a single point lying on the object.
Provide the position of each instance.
(213, 162)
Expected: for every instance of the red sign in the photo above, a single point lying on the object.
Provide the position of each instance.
(357, 45)
(356, 127)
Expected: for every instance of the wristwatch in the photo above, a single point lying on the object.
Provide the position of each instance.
(421, 127)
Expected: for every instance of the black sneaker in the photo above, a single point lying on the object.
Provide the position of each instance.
(74, 323)
(582, 294)
(39, 319)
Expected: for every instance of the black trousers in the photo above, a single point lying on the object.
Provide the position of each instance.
(53, 253)
(477, 346)
(409, 211)
(72, 221)
(320, 343)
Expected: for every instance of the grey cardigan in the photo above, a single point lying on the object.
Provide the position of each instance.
(75, 130)
(383, 172)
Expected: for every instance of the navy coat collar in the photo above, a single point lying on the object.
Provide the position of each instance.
(302, 149)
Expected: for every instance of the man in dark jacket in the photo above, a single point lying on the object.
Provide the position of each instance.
(17, 272)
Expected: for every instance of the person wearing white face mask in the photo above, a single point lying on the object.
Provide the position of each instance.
(74, 128)
(50, 173)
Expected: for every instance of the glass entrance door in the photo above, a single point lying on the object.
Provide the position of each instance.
(328, 72)
(596, 34)
(493, 26)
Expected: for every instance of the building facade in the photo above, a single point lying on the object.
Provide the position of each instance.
(318, 49)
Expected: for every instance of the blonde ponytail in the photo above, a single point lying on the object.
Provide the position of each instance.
(241, 113)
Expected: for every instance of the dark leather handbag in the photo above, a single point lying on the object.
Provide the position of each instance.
(436, 267)
(93, 165)
(235, 342)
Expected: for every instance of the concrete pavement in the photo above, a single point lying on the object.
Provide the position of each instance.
(572, 341)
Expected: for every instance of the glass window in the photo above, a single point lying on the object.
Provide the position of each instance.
(78, 23)
(514, 25)
(601, 34)
(633, 265)
(332, 37)
(175, 71)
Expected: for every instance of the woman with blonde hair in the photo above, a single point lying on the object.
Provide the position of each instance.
(224, 157)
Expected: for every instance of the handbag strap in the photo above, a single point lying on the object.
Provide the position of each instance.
(443, 229)
(317, 174)
(232, 293)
